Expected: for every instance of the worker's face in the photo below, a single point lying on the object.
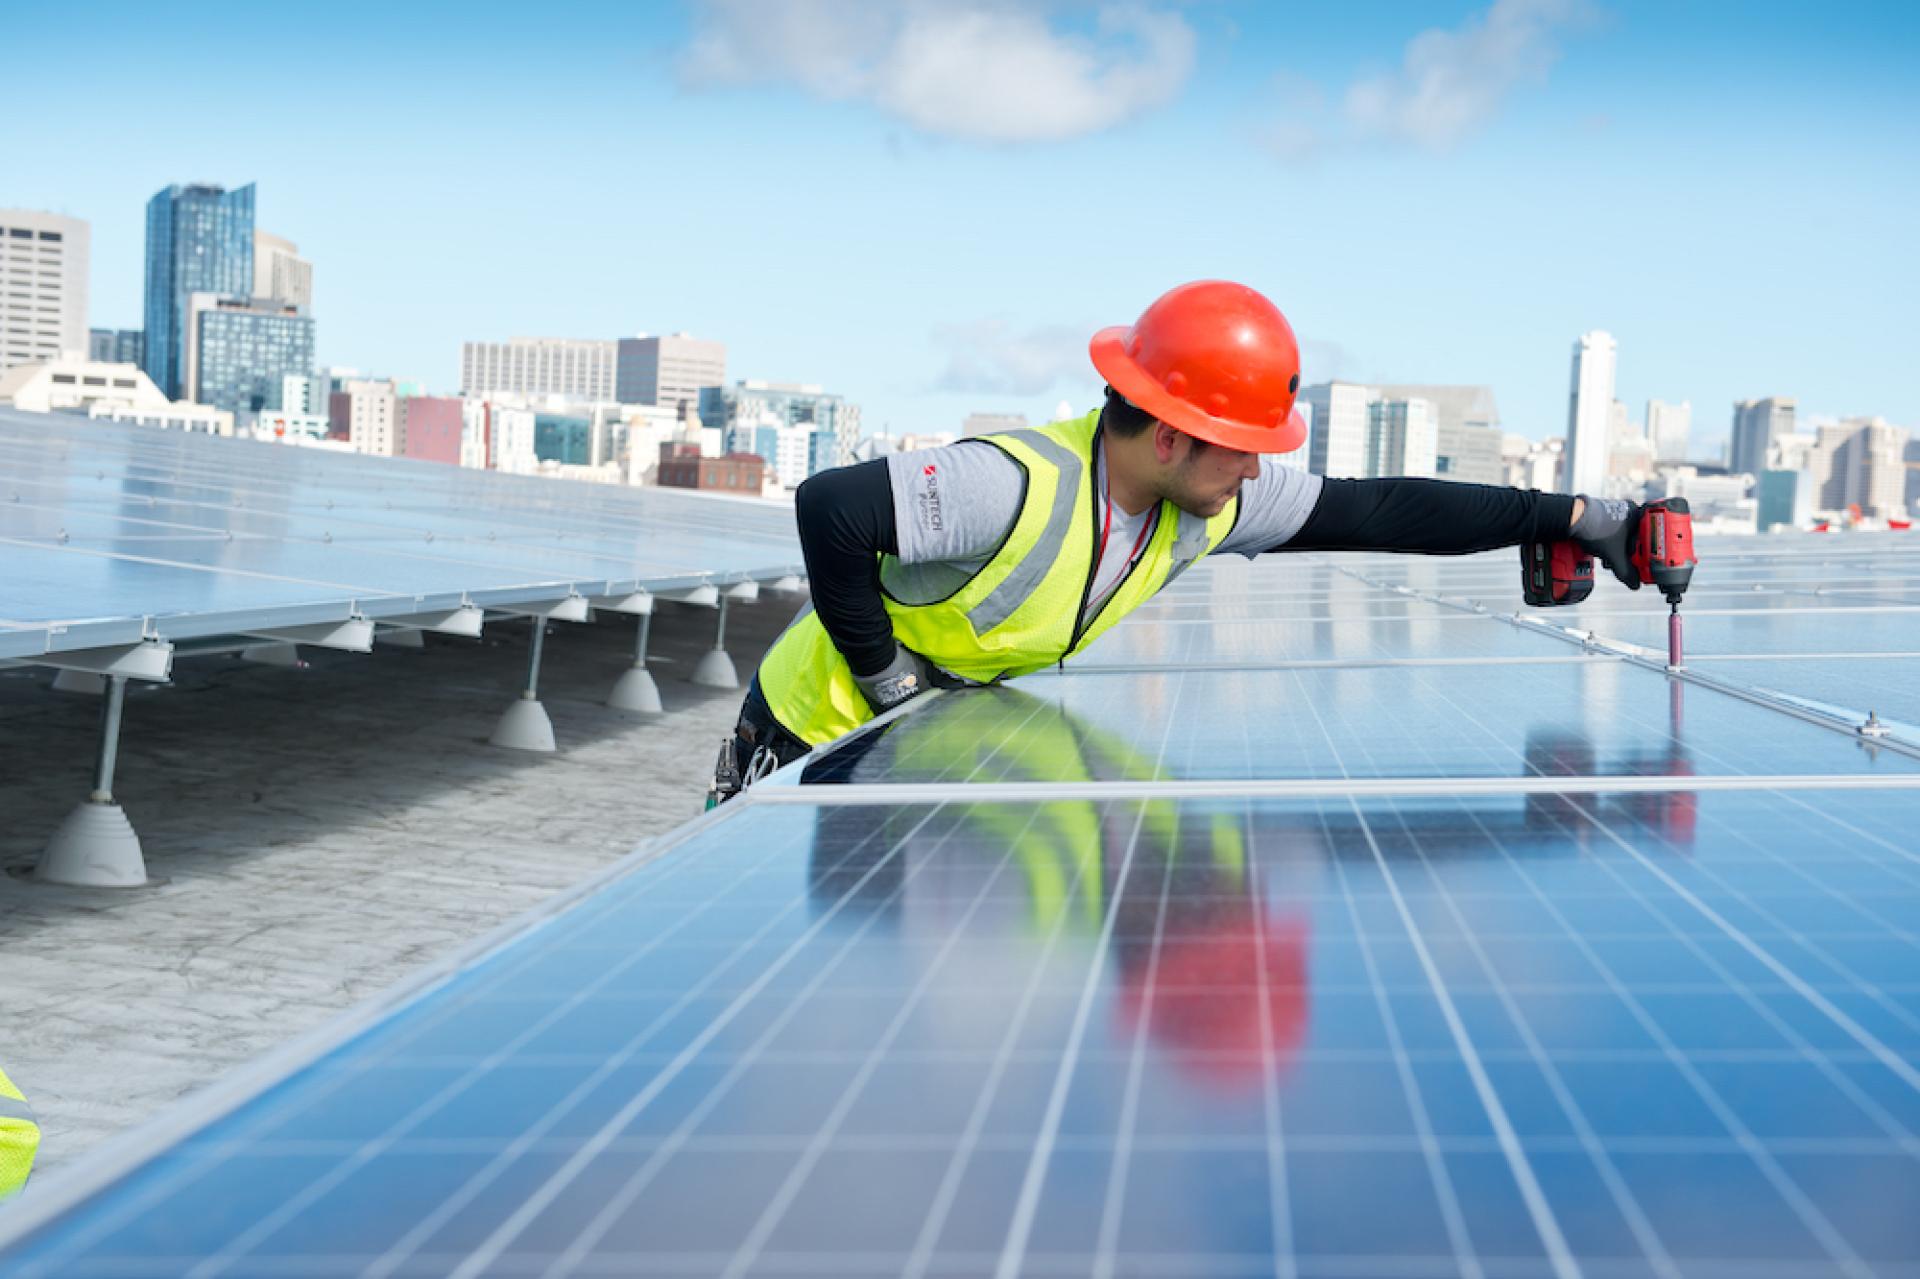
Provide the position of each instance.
(1199, 478)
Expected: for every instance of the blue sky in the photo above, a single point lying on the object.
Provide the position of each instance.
(929, 207)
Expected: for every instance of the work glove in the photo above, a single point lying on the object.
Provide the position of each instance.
(1605, 531)
(904, 678)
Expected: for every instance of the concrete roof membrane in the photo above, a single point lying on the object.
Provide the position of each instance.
(1333, 916)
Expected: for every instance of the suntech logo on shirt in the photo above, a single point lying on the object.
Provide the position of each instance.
(929, 499)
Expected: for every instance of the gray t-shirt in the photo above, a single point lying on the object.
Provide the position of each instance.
(954, 506)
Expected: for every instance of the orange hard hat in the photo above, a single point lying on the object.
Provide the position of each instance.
(1214, 360)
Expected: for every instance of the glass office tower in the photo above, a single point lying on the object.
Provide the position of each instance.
(199, 240)
(245, 349)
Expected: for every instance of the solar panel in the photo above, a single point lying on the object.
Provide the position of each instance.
(1391, 968)
(108, 532)
(1576, 716)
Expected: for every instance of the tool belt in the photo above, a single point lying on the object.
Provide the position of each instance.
(759, 745)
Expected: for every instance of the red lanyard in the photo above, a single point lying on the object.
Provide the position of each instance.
(1106, 527)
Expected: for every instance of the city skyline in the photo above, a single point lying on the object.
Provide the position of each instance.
(931, 263)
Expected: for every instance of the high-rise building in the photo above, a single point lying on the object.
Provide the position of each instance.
(241, 350)
(669, 371)
(1783, 499)
(1860, 461)
(199, 240)
(1337, 443)
(117, 346)
(1590, 413)
(1467, 439)
(779, 421)
(43, 287)
(1667, 428)
(571, 368)
(280, 273)
(1401, 438)
(1756, 424)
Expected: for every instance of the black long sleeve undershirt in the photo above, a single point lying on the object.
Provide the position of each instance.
(846, 522)
(1431, 517)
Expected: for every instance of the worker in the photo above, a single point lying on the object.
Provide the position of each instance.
(19, 1137)
(1008, 553)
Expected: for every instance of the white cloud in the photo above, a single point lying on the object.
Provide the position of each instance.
(982, 70)
(986, 357)
(1452, 81)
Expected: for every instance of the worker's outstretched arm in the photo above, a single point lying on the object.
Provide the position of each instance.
(1434, 517)
(846, 524)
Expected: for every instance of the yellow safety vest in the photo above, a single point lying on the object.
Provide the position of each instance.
(1021, 612)
(19, 1137)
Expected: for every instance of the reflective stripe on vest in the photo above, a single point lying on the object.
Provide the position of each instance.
(1020, 612)
(1019, 585)
(14, 1108)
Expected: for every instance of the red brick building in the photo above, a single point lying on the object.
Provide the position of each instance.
(682, 467)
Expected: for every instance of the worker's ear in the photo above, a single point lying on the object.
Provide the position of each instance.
(1166, 442)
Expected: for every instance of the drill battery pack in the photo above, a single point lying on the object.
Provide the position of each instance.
(1555, 573)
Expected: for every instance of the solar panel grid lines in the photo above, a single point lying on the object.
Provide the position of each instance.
(1666, 926)
(1830, 1239)
(1464, 1253)
(757, 1238)
(1013, 1252)
(344, 509)
(1545, 1227)
(1107, 1243)
(1725, 980)
(495, 1244)
(109, 533)
(1631, 1211)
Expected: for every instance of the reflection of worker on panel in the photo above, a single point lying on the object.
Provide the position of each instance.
(1210, 924)
(1006, 554)
(19, 1137)
(1215, 974)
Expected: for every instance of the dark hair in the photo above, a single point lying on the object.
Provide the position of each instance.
(1125, 419)
(1122, 418)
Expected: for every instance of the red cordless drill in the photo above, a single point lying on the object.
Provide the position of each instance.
(1556, 573)
(1663, 555)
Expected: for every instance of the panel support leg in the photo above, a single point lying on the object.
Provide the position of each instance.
(635, 690)
(525, 726)
(715, 669)
(96, 846)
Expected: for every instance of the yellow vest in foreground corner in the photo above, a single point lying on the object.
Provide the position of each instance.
(19, 1138)
(1018, 614)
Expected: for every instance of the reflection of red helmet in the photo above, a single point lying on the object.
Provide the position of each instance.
(1205, 998)
(1214, 360)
